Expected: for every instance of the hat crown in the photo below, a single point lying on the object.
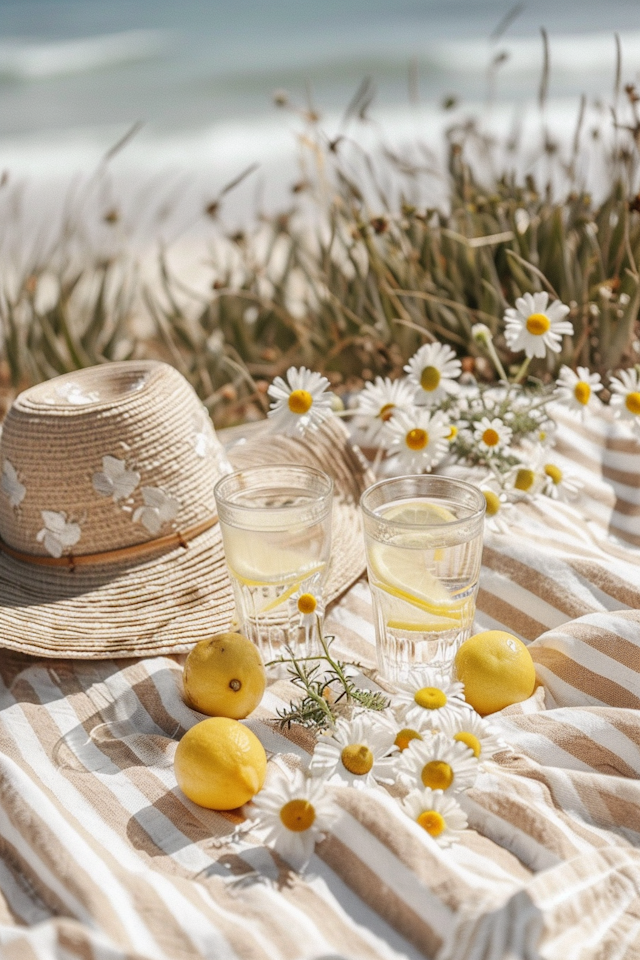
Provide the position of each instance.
(105, 458)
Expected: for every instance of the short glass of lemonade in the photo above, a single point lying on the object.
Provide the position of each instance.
(276, 530)
(423, 539)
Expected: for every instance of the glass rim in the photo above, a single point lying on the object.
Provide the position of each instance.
(460, 484)
(311, 471)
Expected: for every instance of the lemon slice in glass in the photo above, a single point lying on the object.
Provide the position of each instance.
(399, 614)
(267, 565)
(421, 512)
(404, 574)
(260, 563)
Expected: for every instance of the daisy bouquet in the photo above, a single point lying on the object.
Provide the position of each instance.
(425, 747)
(438, 416)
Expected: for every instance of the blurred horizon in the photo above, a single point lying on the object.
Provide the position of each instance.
(200, 76)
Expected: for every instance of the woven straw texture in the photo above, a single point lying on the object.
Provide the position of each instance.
(101, 855)
(164, 461)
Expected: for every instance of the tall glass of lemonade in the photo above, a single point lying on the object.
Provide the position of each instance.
(423, 538)
(276, 530)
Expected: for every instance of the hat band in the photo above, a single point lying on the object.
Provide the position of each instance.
(71, 561)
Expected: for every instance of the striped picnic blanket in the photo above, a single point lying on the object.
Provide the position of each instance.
(102, 857)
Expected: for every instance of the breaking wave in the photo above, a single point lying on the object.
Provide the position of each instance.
(33, 60)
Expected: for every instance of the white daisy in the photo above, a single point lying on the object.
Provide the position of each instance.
(577, 390)
(356, 752)
(535, 327)
(559, 484)
(498, 506)
(438, 762)
(524, 480)
(377, 403)
(405, 734)
(441, 816)
(309, 607)
(433, 372)
(478, 735)
(425, 696)
(481, 333)
(625, 396)
(416, 440)
(545, 434)
(492, 435)
(300, 404)
(294, 814)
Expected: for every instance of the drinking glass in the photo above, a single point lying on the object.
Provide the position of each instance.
(276, 530)
(423, 539)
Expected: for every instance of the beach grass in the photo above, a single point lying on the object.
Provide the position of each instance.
(355, 274)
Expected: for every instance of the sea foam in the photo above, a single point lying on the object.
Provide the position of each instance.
(30, 60)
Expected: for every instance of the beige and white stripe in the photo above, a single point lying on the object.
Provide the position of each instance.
(101, 856)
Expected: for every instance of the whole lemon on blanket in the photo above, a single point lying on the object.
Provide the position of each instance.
(220, 764)
(496, 669)
(224, 676)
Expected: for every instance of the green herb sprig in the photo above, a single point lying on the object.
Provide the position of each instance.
(328, 690)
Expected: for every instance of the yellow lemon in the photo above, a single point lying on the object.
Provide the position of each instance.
(496, 669)
(220, 764)
(224, 676)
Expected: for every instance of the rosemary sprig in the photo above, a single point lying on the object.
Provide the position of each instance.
(329, 691)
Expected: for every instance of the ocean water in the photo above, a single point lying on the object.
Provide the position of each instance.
(199, 77)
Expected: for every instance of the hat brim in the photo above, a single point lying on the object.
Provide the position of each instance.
(166, 603)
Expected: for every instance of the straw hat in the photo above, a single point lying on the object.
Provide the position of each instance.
(110, 544)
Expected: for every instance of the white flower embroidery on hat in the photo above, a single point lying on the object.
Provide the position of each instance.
(73, 393)
(158, 510)
(115, 480)
(57, 534)
(204, 442)
(11, 486)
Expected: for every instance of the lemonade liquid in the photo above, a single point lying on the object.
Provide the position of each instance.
(424, 566)
(269, 568)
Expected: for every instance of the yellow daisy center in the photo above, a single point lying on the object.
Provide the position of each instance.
(298, 815)
(632, 403)
(524, 479)
(307, 603)
(405, 736)
(386, 412)
(493, 502)
(491, 437)
(555, 473)
(357, 758)
(432, 821)
(430, 379)
(542, 436)
(538, 324)
(582, 392)
(300, 401)
(453, 432)
(417, 439)
(437, 774)
(430, 698)
(471, 741)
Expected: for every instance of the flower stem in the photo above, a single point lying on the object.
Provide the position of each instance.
(496, 360)
(523, 370)
(332, 663)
